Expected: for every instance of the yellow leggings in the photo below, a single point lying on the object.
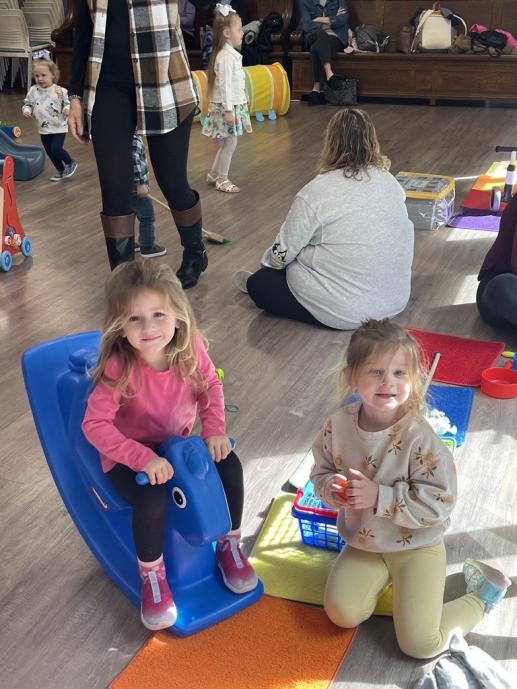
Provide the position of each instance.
(423, 623)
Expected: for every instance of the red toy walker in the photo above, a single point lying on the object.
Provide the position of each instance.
(14, 239)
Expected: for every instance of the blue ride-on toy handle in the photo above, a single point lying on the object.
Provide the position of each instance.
(143, 479)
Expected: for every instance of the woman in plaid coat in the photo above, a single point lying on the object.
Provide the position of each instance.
(130, 73)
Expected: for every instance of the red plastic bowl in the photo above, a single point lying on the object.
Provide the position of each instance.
(499, 382)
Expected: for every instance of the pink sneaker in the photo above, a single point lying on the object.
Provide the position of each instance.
(239, 576)
(157, 608)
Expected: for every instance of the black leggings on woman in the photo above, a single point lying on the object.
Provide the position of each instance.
(149, 504)
(323, 48)
(269, 290)
(497, 300)
(113, 126)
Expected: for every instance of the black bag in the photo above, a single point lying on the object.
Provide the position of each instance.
(491, 42)
(345, 94)
(371, 38)
(255, 52)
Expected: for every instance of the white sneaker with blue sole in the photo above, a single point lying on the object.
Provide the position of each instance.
(487, 583)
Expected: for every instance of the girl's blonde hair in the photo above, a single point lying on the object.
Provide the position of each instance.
(52, 67)
(351, 144)
(122, 287)
(219, 24)
(379, 337)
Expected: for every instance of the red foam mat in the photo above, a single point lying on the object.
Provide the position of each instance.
(462, 358)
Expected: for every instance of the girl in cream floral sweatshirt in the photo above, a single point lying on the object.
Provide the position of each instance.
(393, 481)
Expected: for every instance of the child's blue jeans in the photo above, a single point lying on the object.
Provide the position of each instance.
(143, 208)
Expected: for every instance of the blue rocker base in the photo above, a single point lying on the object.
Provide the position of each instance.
(29, 159)
(58, 384)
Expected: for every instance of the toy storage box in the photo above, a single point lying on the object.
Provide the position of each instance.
(429, 198)
(317, 523)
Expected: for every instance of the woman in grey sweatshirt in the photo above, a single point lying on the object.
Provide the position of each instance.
(345, 250)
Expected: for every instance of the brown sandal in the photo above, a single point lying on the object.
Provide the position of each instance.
(227, 186)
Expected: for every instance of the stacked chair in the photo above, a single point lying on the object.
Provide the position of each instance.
(25, 29)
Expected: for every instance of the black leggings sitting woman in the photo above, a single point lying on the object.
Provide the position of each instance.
(325, 23)
(497, 292)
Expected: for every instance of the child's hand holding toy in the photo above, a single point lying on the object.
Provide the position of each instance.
(339, 489)
(219, 446)
(159, 471)
(361, 492)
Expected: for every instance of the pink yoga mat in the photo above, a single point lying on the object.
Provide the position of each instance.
(462, 358)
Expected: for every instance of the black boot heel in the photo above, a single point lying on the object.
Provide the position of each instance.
(193, 264)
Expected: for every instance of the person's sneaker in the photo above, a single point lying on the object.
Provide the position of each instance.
(57, 176)
(316, 98)
(152, 251)
(137, 247)
(157, 608)
(240, 280)
(334, 82)
(238, 575)
(69, 169)
(489, 584)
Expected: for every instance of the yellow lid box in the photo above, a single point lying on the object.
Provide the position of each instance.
(423, 185)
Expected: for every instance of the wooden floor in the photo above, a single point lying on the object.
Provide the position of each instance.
(63, 624)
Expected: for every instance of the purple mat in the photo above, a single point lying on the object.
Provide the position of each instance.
(471, 219)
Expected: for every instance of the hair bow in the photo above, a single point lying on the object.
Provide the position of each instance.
(224, 8)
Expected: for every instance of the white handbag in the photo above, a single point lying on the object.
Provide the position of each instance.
(434, 31)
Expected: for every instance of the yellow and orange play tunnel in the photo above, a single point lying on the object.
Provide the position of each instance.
(267, 88)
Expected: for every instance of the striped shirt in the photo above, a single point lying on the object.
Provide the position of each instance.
(165, 92)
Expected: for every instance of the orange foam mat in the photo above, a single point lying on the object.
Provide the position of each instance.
(273, 644)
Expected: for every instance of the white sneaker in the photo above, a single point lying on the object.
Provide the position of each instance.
(57, 177)
(240, 279)
(69, 169)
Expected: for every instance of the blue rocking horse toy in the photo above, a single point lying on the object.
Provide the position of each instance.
(57, 382)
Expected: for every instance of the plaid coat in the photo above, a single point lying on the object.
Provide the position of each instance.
(165, 92)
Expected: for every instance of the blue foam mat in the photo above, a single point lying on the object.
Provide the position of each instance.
(456, 403)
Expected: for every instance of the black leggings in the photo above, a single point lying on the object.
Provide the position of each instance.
(497, 300)
(323, 48)
(149, 504)
(113, 126)
(53, 145)
(269, 290)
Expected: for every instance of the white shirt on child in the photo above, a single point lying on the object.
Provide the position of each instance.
(46, 106)
(230, 81)
(414, 471)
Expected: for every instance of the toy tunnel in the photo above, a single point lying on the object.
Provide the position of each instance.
(267, 89)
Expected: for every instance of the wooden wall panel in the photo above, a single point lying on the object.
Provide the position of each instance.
(508, 17)
(365, 12)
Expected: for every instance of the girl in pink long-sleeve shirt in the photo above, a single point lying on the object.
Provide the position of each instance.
(154, 374)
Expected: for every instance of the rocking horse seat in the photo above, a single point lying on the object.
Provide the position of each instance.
(57, 380)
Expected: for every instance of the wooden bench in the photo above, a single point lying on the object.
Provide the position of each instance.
(430, 76)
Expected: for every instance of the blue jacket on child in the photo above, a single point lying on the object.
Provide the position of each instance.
(338, 23)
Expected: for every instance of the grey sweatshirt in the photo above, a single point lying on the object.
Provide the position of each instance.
(347, 246)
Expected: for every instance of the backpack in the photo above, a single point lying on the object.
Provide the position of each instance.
(256, 46)
(436, 29)
(345, 95)
(491, 42)
(371, 38)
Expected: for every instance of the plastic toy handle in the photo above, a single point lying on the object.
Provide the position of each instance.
(143, 479)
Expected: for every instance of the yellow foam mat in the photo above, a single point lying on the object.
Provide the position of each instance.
(289, 568)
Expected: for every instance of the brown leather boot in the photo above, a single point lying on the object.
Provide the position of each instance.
(195, 260)
(119, 233)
